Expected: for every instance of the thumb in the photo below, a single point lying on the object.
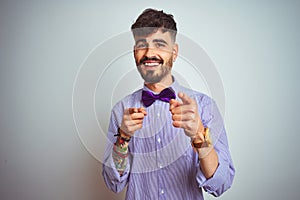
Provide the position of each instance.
(185, 98)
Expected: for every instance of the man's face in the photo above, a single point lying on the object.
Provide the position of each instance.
(154, 55)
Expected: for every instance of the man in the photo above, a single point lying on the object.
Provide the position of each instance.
(165, 141)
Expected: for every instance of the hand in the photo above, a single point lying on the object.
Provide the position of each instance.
(185, 115)
(132, 120)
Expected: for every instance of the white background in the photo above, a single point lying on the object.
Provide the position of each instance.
(254, 44)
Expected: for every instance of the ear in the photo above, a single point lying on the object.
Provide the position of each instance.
(175, 51)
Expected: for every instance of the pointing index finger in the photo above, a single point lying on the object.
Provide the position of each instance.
(185, 98)
(142, 110)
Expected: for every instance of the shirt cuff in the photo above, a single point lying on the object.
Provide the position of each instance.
(214, 184)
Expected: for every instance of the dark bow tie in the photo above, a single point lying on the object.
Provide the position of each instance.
(166, 95)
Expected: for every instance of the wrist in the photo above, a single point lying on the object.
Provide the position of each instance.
(122, 141)
(123, 134)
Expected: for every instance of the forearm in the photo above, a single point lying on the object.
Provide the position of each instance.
(120, 152)
(206, 153)
(120, 159)
(215, 171)
(115, 173)
(208, 163)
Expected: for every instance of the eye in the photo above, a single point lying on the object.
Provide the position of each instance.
(160, 44)
(141, 46)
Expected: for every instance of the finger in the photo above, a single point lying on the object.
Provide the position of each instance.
(184, 118)
(183, 109)
(134, 116)
(185, 98)
(174, 103)
(176, 117)
(136, 122)
(192, 117)
(142, 110)
(182, 124)
(188, 128)
(133, 122)
(177, 124)
(132, 110)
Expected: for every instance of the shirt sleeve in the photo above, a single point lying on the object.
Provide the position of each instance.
(111, 176)
(223, 177)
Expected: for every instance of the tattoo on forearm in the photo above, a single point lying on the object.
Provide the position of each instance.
(120, 154)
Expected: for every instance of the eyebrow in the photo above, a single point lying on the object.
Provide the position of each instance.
(160, 40)
(140, 40)
(155, 40)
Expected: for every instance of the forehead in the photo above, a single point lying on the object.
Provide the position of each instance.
(154, 36)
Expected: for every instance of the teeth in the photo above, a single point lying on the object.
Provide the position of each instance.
(151, 64)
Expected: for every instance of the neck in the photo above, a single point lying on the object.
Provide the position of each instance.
(158, 87)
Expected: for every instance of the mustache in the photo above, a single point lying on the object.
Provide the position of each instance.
(144, 59)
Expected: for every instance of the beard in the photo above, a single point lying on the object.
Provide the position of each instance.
(155, 76)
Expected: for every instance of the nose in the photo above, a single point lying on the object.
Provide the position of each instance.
(150, 52)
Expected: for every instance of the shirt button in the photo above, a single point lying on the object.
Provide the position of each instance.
(162, 191)
(160, 166)
(158, 140)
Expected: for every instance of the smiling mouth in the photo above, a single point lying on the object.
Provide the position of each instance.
(151, 64)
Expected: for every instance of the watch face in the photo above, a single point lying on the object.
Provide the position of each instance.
(197, 145)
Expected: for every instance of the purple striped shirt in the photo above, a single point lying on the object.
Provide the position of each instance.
(162, 163)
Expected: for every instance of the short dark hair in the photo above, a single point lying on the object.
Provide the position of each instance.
(151, 20)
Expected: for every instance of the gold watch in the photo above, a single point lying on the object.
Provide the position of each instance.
(207, 141)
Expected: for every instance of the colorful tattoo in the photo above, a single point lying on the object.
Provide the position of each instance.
(120, 154)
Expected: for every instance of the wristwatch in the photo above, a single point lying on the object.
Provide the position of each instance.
(207, 141)
(120, 136)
